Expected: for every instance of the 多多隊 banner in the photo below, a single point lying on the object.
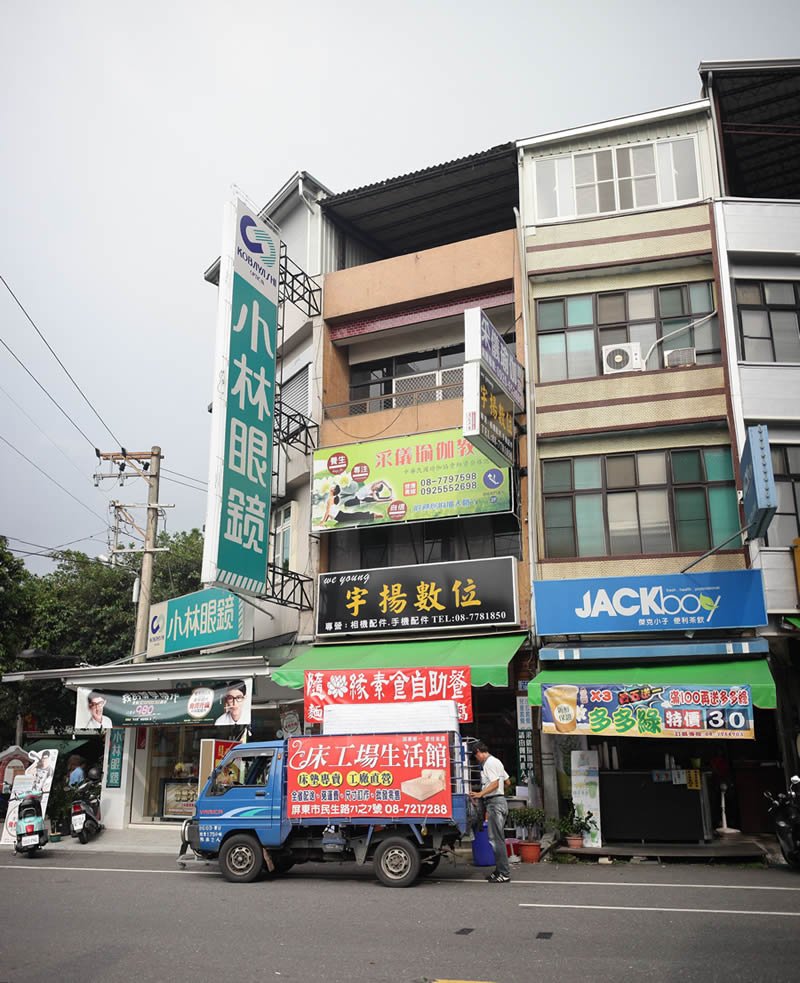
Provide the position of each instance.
(643, 710)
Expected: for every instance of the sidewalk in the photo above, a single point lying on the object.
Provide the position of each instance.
(134, 839)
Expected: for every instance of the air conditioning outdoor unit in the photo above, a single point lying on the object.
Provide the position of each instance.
(625, 357)
(680, 356)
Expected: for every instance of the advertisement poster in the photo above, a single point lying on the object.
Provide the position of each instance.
(199, 620)
(240, 457)
(37, 777)
(427, 597)
(614, 710)
(488, 420)
(178, 799)
(680, 601)
(224, 704)
(436, 475)
(484, 343)
(393, 775)
(365, 686)
(586, 792)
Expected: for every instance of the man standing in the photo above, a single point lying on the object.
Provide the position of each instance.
(493, 777)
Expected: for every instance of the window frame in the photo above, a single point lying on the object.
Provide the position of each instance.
(281, 535)
(785, 476)
(768, 309)
(661, 179)
(670, 486)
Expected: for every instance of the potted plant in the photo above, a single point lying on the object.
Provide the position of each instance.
(572, 826)
(531, 822)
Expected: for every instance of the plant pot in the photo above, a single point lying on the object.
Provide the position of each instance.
(575, 842)
(529, 852)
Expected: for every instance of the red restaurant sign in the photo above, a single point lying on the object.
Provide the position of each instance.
(362, 686)
(362, 777)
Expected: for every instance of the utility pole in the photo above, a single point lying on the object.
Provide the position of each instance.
(147, 466)
(148, 557)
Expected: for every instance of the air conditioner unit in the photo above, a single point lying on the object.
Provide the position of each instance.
(680, 356)
(625, 357)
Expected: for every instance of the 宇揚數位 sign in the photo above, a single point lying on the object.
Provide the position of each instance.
(488, 418)
(759, 497)
(422, 476)
(240, 469)
(673, 602)
(460, 594)
(484, 343)
(199, 620)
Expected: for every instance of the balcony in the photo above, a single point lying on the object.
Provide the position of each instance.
(401, 392)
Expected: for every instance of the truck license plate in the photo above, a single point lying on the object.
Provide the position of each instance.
(30, 840)
(78, 822)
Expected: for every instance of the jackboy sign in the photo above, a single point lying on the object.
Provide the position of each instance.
(674, 602)
(430, 597)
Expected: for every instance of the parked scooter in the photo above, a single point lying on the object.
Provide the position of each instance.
(85, 815)
(31, 832)
(785, 811)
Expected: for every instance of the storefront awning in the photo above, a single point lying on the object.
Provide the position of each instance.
(60, 744)
(488, 658)
(745, 672)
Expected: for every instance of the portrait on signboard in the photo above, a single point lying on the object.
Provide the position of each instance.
(235, 700)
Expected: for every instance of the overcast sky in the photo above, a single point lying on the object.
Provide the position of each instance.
(123, 126)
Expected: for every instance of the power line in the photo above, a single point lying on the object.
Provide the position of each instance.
(50, 349)
(41, 546)
(49, 478)
(188, 477)
(52, 400)
(185, 484)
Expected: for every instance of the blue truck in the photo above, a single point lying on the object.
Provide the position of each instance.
(399, 801)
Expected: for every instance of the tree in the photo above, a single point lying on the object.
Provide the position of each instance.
(15, 620)
(178, 572)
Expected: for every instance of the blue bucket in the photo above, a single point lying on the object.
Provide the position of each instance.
(482, 852)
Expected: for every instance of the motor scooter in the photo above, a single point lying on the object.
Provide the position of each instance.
(85, 812)
(785, 811)
(31, 832)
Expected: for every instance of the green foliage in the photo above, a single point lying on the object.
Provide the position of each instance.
(574, 823)
(530, 819)
(15, 619)
(178, 572)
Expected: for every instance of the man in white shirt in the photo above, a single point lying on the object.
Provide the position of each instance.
(493, 778)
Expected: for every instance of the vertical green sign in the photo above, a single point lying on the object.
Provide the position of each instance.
(114, 769)
(237, 525)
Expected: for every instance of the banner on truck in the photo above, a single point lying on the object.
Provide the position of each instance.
(370, 686)
(361, 777)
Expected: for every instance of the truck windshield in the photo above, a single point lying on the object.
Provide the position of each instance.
(244, 768)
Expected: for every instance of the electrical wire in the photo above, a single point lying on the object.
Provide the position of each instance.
(41, 546)
(187, 476)
(185, 484)
(50, 478)
(50, 349)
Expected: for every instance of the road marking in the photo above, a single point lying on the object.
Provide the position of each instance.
(668, 884)
(104, 870)
(693, 911)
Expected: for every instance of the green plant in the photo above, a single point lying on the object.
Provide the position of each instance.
(530, 819)
(574, 823)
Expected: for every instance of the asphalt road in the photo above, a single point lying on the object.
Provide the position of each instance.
(78, 917)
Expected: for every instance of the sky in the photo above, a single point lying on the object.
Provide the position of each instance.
(123, 127)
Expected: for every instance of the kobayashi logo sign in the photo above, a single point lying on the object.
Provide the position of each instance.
(255, 239)
(673, 602)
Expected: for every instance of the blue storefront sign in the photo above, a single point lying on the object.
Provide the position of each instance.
(758, 482)
(673, 602)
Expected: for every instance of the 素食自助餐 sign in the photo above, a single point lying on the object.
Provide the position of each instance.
(435, 475)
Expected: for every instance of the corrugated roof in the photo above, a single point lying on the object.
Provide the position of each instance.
(459, 199)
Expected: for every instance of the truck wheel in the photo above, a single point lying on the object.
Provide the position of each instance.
(240, 859)
(429, 865)
(397, 862)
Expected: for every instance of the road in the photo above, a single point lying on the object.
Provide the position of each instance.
(74, 917)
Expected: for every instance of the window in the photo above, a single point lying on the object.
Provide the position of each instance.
(639, 503)
(430, 542)
(572, 331)
(245, 768)
(616, 180)
(785, 525)
(294, 392)
(282, 536)
(769, 314)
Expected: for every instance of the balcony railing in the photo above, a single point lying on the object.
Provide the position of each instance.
(402, 391)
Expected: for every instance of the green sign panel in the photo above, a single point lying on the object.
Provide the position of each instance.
(200, 620)
(237, 525)
(434, 475)
(114, 769)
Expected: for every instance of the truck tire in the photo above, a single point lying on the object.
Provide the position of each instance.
(240, 859)
(397, 862)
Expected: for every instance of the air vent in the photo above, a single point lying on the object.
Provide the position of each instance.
(680, 356)
(622, 358)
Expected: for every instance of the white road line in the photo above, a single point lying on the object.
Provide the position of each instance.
(692, 911)
(677, 884)
(102, 870)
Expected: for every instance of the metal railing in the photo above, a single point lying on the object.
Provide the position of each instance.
(403, 391)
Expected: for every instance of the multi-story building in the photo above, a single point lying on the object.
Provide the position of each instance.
(635, 477)
(754, 108)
